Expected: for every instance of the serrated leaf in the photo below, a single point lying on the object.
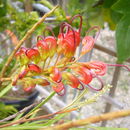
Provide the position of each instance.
(122, 6)
(123, 38)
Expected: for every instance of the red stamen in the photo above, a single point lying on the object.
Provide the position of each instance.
(95, 89)
(63, 25)
(40, 38)
(62, 93)
(82, 86)
(119, 65)
(49, 29)
(97, 34)
(73, 18)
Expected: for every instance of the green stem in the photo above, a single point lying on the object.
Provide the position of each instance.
(43, 102)
(5, 90)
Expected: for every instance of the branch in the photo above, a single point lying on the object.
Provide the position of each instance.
(18, 113)
(108, 51)
(92, 119)
(5, 79)
(36, 105)
(48, 116)
(27, 35)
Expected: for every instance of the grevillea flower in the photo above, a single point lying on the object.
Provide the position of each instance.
(76, 32)
(23, 74)
(97, 67)
(55, 75)
(34, 68)
(66, 45)
(52, 43)
(33, 54)
(42, 82)
(69, 41)
(88, 43)
(71, 79)
(59, 88)
(66, 69)
(29, 88)
(43, 48)
(21, 56)
(84, 74)
(21, 51)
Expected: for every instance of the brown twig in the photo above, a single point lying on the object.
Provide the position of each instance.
(5, 79)
(108, 51)
(112, 90)
(38, 118)
(92, 119)
(27, 35)
(18, 113)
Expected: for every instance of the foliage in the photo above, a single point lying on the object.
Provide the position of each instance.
(2, 63)
(6, 110)
(17, 21)
(3, 8)
(123, 29)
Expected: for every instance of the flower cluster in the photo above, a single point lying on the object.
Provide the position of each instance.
(52, 60)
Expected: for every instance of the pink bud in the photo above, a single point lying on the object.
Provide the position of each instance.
(88, 43)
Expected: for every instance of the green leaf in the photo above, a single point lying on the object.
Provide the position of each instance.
(6, 110)
(123, 38)
(108, 3)
(5, 90)
(98, 18)
(115, 16)
(108, 18)
(122, 6)
(3, 8)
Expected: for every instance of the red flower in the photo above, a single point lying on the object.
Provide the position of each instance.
(29, 88)
(32, 53)
(71, 79)
(55, 75)
(21, 51)
(97, 67)
(21, 56)
(34, 68)
(58, 87)
(52, 43)
(71, 35)
(43, 48)
(88, 43)
(84, 74)
(66, 41)
(23, 74)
